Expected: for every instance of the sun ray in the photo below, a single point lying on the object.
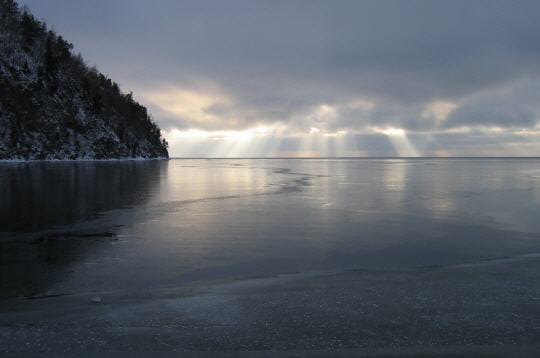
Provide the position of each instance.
(400, 141)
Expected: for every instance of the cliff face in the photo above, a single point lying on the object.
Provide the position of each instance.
(53, 106)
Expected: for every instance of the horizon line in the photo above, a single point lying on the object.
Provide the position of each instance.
(418, 158)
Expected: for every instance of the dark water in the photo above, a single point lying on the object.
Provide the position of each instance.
(101, 226)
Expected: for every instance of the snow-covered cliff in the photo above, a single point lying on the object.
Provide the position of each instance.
(53, 106)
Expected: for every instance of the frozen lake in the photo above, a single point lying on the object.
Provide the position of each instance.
(71, 232)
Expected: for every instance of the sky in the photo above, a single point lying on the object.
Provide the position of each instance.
(310, 78)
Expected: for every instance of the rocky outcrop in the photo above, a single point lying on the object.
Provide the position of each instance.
(53, 106)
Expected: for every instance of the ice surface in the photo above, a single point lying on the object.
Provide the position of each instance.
(269, 254)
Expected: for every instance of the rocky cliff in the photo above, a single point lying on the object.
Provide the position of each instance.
(53, 106)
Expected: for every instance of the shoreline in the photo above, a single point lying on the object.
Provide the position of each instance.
(9, 161)
(131, 159)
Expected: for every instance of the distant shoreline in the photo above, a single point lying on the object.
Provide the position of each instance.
(80, 160)
(5, 161)
(346, 158)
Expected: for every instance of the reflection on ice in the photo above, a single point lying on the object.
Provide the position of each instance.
(189, 220)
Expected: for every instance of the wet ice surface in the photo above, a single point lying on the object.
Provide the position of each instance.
(269, 254)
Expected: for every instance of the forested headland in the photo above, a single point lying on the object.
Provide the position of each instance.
(54, 106)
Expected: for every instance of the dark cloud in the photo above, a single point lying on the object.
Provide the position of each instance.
(515, 105)
(492, 113)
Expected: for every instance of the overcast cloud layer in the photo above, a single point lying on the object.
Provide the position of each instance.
(321, 77)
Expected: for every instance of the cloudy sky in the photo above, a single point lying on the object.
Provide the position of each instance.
(320, 78)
